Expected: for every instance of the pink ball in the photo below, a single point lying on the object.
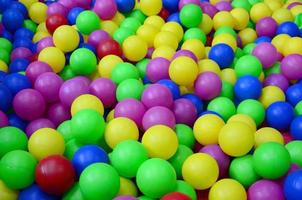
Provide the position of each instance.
(83, 3)
(58, 113)
(56, 8)
(35, 69)
(85, 79)
(158, 69)
(158, 115)
(3, 119)
(277, 80)
(157, 95)
(182, 3)
(29, 104)
(96, 36)
(186, 53)
(21, 52)
(38, 124)
(125, 197)
(105, 9)
(207, 85)
(291, 67)
(265, 189)
(68, 4)
(224, 6)
(104, 89)
(45, 42)
(184, 111)
(266, 53)
(266, 26)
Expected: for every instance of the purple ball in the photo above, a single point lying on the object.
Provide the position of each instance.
(184, 111)
(132, 109)
(21, 52)
(56, 8)
(105, 9)
(96, 36)
(29, 104)
(291, 67)
(157, 95)
(158, 69)
(85, 79)
(208, 9)
(38, 124)
(277, 80)
(224, 6)
(207, 85)
(279, 57)
(266, 53)
(149, 53)
(104, 89)
(71, 89)
(222, 159)
(158, 115)
(186, 53)
(44, 43)
(291, 5)
(266, 26)
(35, 69)
(182, 3)
(125, 197)
(49, 84)
(3, 119)
(68, 4)
(58, 113)
(265, 189)
(83, 3)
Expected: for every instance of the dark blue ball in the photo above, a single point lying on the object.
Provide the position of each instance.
(88, 46)
(125, 6)
(19, 6)
(23, 33)
(195, 100)
(222, 54)
(16, 121)
(6, 98)
(18, 65)
(12, 19)
(292, 186)
(296, 128)
(294, 94)
(23, 42)
(289, 28)
(34, 192)
(73, 14)
(171, 5)
(174, 18)
(263, 39)
(172, 86)
(16, 82)
(247, 87)
(7, 35)
(2, 76)
(4, 4)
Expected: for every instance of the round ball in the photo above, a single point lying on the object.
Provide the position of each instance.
(190, 15)
(227, 189)
(87, 101)
(150, 7)
(87, 22)
(83, 61)
(267, 134)
(135, 48)
(66, 38)
(54, 57)
(222, 54)
(291, 188)
(265, 189)
(247, 87)
(12, 138)
(253, 109)
(157, 95)
(208, 85)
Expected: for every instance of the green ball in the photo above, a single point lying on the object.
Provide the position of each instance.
(121, 34)
(241, 169)
(6, 45)
(99, 181)
(271, 160)
(248, 65)
(275, 69)
(223, 106)
(242, 4)
(130, 88)
(251, 24)
(124, 71)
(74, 193)
(252, 108)
(252, 2)
(298, 108)
(17, 169)
(87, 22)
(190, 15)
(131, 23)
(4, 56)
(144, 198)
(195, 33)
(239, 53)
(67, 73)
(138, 14)
(12, 138)
(83, 61)
(65, 130)
(295, 151)
(29, 24)
(185, 188)
(227, 90)
(185, 135)
(88, 126)
(248, 49)
(182, 153)
(226, 29)
(156, 177)
(71, 147)
(142, 67)
(298, 20)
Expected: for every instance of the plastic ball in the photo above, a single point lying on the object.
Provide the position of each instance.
(87, 101)
(277, 80)
(296, 127)
(158, 115)
(12, 19)
(165, 38)
(223, 18)
(12, 138)
(83, 57)
(157, 95)
(34, 192)
(150, 7)
(7, 193)
(259, 11)
(54, 21)
(37, 12)
(248, 65)
(17, 65)
(279, 41)
(247, 87)
(291, 65)
(127, 187)
(223, 106)
(295, 152)
(185, 111)
(125, 6)
(158, 69)
(106, 65)
(289, 28)
(73, 14)
(266, 53)
(185, 135)
(130, 88)
(291, 189)
(265, 189)
(16, 82)
(191, 15)
(54, 57)
(267, 134)
(227, 189)
(104, 89)
(298, 108)
(294, 94)
(124, 71)
(222, 54)
(266, 27)
(267, 99)
(87, 22)
(66, 38)
(6, 98)
(37, 124)
(108, 47)
(175, 195)
(241, 17)
(105, 9)
(135, 48)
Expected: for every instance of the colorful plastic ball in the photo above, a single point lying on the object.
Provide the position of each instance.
(291, 189)
(12, 19)
(158, 69)
(96, 37)
(247, 87)
(222, 54)
(289, 28)
(265, 189)
(185, 188)
(58, 113)
(266, 53)
(37, 124)
(3, 119)
(298, 108)
(134, 48)
(223, 18)
(227, 189)
(130, 88)
(195, 46)
(87, 101)
(54, 57)
(73, 14)
(190, 15)
(54, 21)
(127, 187)
(124, 71)
(16, 82)
(296, 127)
(223, 106)
(7, 193)
(17, 65)
(294, 94)
(248, 65)
(87, 22)
(125, 6)
(17, 169)
(66, 38)
(125, 197)
(108, 47)
(158, 115)
(291, 65)
(150, 7)
(268, 134)
(173, 87)
(293, 46)
(104, 89)
(241, 17)
(294, 149)
(157, 95)
(44, 43)
(208, 85)
(12, 138)
(278, 80)
(37, 12)
(259, 11)
(34, 192)
(105, 9)
(6, 98)
(185, 111)
(175, 195)
(252, 108)
(266, 27)
(185, 135)
(83, 61)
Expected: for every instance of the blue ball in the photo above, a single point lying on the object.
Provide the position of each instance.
(292, 186)
(289, 28)
(34, 192)
(174, 18)
(195, 100)
(296, 128)
(146, 80)
(18, 65)
(88, 46)
(125, 6)
(2, 76)
(23, 42)
(294, 94)
(12, 19)
(7, 35)
(263, 39)
(6, 98)
(16, 121)
(87, 155)
(4, 4)
(279, 115)
(73, 14)
(23, 33)
(171, 5)
(247, 87)
(172, 86)
(17, 82)
(222, 54)
(19, 6)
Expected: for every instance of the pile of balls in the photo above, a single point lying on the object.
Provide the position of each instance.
(151, 99)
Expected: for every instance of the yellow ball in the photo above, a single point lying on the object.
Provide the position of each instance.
(45, 142)
(174, 28)
(196, 46)
(282, 15)
(261, 77)
(37, 12)
(118, 18)
(229, 75)
(151, 7)
(273, 4)
(164, 52)
(183, 71)
(160, 142)
(165, 38)
(106, 65)
(247, 35)
(200, 170)
(54, 57)
(279, 41)
(147, 32)
(244, 119)
(66, 38)
(110, 116)
(268, 134)
(109, 26)
(225, 38)
(207, 50)
(120, 129)
(293, 46)
(236, 139)
(7, 193)
(127, 187)
(40, 35)
(155, 21)
(87, 101)
(241, 17)
(227, 189)
(28, 3)
(207, 65)
(135, 48)
(207, 23)
(271, 94)
(296, 10)
(223, 18)
(3, 66)
(42, 27)
(259, 11)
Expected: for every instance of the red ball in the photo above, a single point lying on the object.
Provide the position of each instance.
(109, 47)
(54, 21)
(164, 14)
(55, 175)
(175, 196)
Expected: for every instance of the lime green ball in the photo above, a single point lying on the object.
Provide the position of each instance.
(131, 23)
(185, 188)
(87, 22)
(298, 20)
(252, 2)
(251, 24)
(71, 147)
(227, 90)
(298, 108)
(142, 67)
(248, 49)
(74, 193)
(138, 14)
(242, 4)
(252, 108)
(83, 61)
(121, 34)
(65, 130)
(124, 71)
(248, 65)
(226, 29)
(4, 56)
(223, 106)
(275, 69)
(17, 169)
(130, 88)
(195, 33)
(295, 151)
(271, 160)
(99, 181)
(190, 15)
(29, 24)
(144, 198)
(6, 45)
(239, 53)
(12, 138)
(185, 135)
(67, 73)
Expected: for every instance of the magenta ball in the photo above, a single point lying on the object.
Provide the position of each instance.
(157, 95)
(83, 3)
(21, 52)
(56, 8)
(29, 104)
(224, 6)
(182, 3)
(58, 113)
(125, 197)
(96, 36)
(49, 84)
(71, 89)
(35, 69)
(277, 80)
(279, 57)
(104, 89)
(105, 9)
(3, 119)
(265, 189)
(158, 69)
(266, 26)
(38, 124)
(85, 79)
(132, 109)
(291, 67)
(208, 9)
(158, 115)
(186, 53)
(184, 111)
(68, 4)
(208, 85)
(222, 159)
(44, 43)
(266, 53)
(150, 52)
